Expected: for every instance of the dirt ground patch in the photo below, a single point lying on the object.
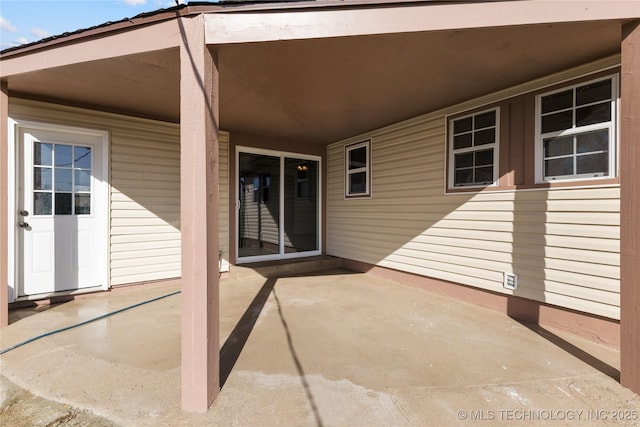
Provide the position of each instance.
(20, 408)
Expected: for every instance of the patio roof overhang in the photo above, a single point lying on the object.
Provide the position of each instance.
(314, 73)
(318, 75)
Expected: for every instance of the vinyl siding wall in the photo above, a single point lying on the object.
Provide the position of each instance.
(145, 204)
(562, 242)
(144, 216)
(223, 195)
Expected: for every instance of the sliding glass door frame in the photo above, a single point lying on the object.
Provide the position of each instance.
(282, 254)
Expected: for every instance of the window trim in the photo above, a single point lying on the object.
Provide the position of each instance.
(612, 127)
(451, 152)
(367, 169)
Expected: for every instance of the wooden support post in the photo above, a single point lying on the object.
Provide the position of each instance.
(4, 204)
(199, 218)
(630, 208)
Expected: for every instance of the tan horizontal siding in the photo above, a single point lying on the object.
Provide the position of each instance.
(223, 186)
(145, 194)
(563, 243)
(145, 176)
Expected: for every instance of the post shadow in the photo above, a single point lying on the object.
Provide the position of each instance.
(573, 350)
(299, 368)
(235, 342)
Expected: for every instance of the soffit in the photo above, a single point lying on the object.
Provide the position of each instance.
(324, 90)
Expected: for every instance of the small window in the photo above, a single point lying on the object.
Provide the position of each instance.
(576, 132)
(473, 150)
(358, 169)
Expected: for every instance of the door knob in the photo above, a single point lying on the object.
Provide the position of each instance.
(23, 224)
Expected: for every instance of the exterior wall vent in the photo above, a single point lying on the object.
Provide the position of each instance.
(510, 281)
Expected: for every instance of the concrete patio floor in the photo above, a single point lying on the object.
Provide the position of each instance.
(331, 349)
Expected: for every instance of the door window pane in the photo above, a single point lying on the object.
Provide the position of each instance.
(42, 178)
(63, 156)
(82, 158)
(42, 203)
(63, 179)
(42, 154)
(63, 204)
(82, 204)
(82, 180)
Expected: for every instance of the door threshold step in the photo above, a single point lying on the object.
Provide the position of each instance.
(282, 268)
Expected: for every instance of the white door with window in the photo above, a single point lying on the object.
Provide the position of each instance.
(61, 216)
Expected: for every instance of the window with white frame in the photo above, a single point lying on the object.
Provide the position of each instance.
(473, 149)
(358, 169)
(576, 131)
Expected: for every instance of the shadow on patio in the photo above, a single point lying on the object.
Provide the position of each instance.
(335, 348)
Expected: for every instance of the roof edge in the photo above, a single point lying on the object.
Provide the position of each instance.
(199, 7)
(145, 18)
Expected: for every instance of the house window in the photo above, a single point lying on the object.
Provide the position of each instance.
(358, 169)
(473, 149)
(576, 131)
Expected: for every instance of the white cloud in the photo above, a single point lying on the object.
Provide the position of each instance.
(6, 25)
(22, 40)
(169, 3)
(135, 2)
(40, 32)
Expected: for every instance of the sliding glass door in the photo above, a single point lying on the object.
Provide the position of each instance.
(278, 212)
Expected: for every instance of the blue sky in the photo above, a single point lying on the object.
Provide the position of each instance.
(26, 21)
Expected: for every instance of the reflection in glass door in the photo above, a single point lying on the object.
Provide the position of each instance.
(278, 209)
(259, 215)
(300, 205)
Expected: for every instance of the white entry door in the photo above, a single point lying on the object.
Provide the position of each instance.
(61, 210)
